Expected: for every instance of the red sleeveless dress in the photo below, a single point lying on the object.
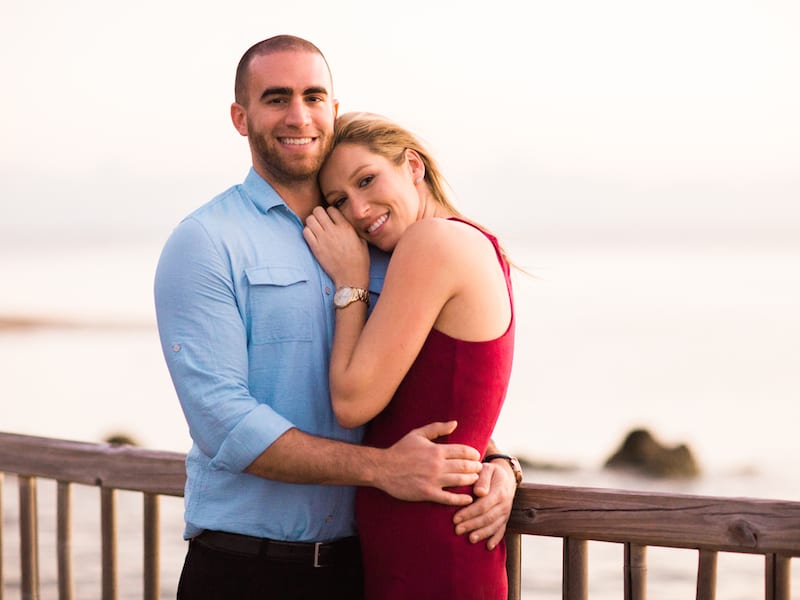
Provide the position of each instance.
(410, 549)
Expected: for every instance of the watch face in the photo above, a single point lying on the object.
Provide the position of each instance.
(342, 296)
(345, 295)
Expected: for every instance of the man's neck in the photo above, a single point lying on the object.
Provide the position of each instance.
(300, 196)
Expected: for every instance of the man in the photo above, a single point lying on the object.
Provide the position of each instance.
(245, 316)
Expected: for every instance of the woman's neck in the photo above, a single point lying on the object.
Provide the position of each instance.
(430, 208)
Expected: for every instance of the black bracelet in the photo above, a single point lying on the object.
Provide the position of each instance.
(512, 460)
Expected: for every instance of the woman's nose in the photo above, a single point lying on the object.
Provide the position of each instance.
(360, 207)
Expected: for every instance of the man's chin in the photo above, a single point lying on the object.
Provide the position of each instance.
(294, 173)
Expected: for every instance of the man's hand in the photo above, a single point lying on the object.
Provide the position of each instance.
(415, 468)
(486, 517)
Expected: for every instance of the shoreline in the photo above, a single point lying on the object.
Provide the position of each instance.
(30, 322)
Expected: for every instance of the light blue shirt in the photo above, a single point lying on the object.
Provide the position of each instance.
(245, 315)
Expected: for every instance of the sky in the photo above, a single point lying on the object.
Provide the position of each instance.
(547, 116)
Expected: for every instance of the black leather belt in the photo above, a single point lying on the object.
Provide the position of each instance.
(337, 553)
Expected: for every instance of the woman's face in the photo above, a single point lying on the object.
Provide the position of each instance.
(376, 196)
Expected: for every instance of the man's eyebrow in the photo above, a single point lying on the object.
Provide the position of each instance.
(276, 91)
(315, 90)
(286, 91)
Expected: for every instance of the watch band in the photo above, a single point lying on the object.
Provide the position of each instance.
(512, 460)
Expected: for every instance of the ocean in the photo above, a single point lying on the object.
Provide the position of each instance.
(698, 341)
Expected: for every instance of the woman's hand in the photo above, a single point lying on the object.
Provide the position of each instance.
(337, 247)
(486, 517)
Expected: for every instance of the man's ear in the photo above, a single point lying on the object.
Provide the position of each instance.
(239, 118)
(335, 108)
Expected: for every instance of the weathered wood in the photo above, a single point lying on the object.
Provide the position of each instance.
(105, 465)
(152, 579)
(707, 575)
(746, 525)
(28, 538)
(108, 528)
(66, 589)
(777, 577)
(575, 580)
(635, 571)
(636, 519)
(514, 565)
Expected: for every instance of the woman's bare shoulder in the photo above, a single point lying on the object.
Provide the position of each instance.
(441, 235)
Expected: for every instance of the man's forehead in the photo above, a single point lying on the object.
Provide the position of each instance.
(296, 70)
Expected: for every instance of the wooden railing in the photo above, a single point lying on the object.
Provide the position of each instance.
(109, 467)
(637, 520)
(577, 515)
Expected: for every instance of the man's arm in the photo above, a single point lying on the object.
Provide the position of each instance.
(486, 517)
(415, 468)
(205, 345)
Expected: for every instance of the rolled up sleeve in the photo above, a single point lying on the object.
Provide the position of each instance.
(204, 341)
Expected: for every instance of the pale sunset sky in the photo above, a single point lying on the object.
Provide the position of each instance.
(620, 114)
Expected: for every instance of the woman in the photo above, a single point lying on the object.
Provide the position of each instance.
(437, 347)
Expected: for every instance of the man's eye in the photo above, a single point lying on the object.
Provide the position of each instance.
(365, 181)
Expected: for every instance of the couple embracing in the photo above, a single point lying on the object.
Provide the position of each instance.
(340, 339)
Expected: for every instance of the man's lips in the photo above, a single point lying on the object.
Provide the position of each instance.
(296, 141)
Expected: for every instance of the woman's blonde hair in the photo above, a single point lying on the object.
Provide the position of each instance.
(388, 139)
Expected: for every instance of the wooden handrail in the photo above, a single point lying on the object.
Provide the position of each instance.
(104, 465)
(577, 515)
(748, 525)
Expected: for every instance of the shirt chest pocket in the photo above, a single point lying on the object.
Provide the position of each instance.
(279, 305)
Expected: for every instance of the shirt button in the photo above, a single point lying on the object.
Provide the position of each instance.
(329, 518)
(328, 291)
(176, 347)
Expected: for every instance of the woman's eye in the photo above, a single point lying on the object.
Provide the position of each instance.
(365, 181)
(339, 202)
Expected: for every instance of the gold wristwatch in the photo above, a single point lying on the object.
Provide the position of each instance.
(346, 295)
(512, 460)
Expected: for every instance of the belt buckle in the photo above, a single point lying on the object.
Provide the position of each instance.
(316, 554)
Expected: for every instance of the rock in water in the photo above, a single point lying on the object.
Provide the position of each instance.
(642, 453)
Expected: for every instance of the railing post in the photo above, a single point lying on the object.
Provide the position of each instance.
(66, 590)
(777, 577)
(152, 580)
(29, 538)
(574, 584)
(707, 575)
(108, 526)
(635, 572)
(514, 565)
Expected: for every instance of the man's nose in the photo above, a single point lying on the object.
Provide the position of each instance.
(298, 113)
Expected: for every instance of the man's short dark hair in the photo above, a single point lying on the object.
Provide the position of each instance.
(278, 43)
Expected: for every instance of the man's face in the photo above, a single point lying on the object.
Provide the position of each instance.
(289, 115)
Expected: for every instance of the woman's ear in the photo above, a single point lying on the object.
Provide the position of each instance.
(416, 164)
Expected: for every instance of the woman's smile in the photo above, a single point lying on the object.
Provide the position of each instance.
(377, 223)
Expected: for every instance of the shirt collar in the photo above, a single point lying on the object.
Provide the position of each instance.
(261, 193)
